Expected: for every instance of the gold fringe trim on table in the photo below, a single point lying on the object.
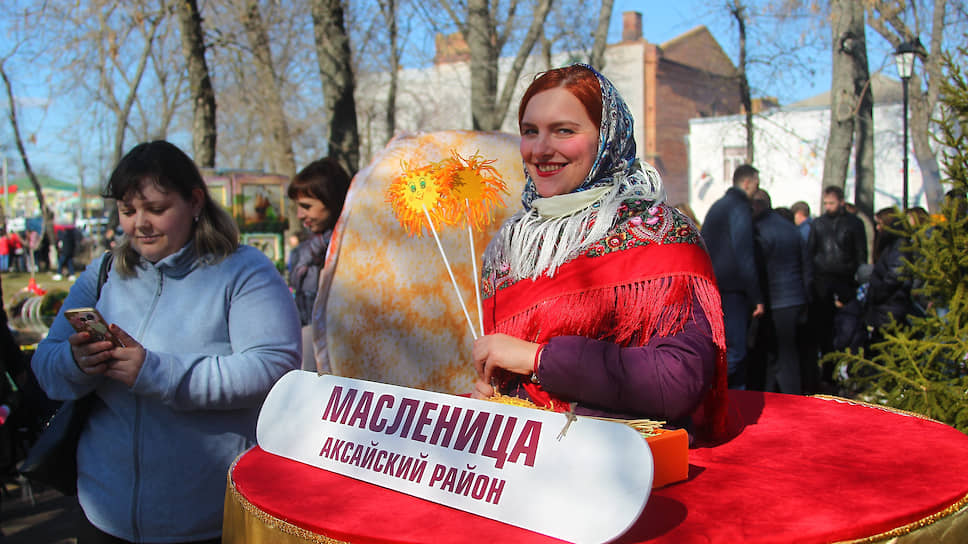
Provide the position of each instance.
(958, 508)
(243, 519)
(955, 510)
(878, 407)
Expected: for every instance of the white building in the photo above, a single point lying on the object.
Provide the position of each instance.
(790, 144)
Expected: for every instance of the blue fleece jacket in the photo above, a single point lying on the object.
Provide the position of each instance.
(153, 458)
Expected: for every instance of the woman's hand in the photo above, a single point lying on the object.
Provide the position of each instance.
(90, 356)
(502, 351)
(482, 390)
(127, 360)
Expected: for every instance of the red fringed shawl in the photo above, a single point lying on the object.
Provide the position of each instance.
(638, 282)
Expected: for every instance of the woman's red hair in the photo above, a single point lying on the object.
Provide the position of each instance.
(576, 79)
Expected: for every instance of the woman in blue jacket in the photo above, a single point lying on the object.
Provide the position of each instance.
(207, 325)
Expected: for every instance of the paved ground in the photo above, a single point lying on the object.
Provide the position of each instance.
(50, 518)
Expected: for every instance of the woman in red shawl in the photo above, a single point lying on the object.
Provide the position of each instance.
(598, 297)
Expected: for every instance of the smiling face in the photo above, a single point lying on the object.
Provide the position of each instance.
(559, 142)
(420, 189)
(158, 223)
(312, 213)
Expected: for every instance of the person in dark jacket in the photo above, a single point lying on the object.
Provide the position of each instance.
(728, 233)
(318, 190)
(837, 246)
(42, 253)
(68, 239)
(889, 291)
(782, 256)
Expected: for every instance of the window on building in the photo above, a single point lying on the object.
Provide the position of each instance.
(733, 156)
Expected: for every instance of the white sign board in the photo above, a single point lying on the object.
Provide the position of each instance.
(503, 462)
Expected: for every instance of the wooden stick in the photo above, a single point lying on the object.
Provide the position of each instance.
(449, 271)
(477, 287)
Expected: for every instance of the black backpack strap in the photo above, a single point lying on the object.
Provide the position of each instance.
(102, 273)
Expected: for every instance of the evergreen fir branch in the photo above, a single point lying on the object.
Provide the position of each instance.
(921, 363)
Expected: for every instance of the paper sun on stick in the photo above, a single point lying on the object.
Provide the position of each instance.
(413, 191)
(416, 195)
(475, 190)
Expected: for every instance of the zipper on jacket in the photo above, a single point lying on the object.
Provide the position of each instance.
(135, 489)
(137, 438)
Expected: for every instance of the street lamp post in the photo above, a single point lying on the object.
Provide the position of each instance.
(904, 58)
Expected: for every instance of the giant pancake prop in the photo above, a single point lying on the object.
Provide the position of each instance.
(507, 463)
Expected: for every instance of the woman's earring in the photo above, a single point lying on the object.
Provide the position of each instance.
(196, 219)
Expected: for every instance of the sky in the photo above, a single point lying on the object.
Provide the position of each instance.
(662, 21)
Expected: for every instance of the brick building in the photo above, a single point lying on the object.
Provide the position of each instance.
(665, 85)
(686, 77)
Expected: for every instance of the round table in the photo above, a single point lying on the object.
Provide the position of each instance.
(797, 469)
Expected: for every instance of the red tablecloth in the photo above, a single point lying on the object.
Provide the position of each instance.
(799, 469)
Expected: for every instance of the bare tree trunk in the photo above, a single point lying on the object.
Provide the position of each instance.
(15, 126)
(864, 125)
(481, 36)
(281, 155)
(485, 43)
(514, 73)
(738, 10)
(282, 159)
(885, 16)
(546, 50)
(336, 70)
(112, 71)
(203, 95)
(921, 141)
(389, 9)
(122, 110)
(843, 102)
(597, 59)
(171, 90)
(924, 109)
(864, 178)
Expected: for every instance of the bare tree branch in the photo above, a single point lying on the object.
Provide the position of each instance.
(527, 44)
(204, 135)
(739, 12)
(339, 83)
(48, 217)
(887, 17)
(597, 59)
(454, 16)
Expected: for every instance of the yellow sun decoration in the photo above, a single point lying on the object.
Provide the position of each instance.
(475, 189)
(413, 191)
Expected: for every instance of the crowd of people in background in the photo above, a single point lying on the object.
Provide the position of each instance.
(30, 251)
(796, 287)
(12, 252)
